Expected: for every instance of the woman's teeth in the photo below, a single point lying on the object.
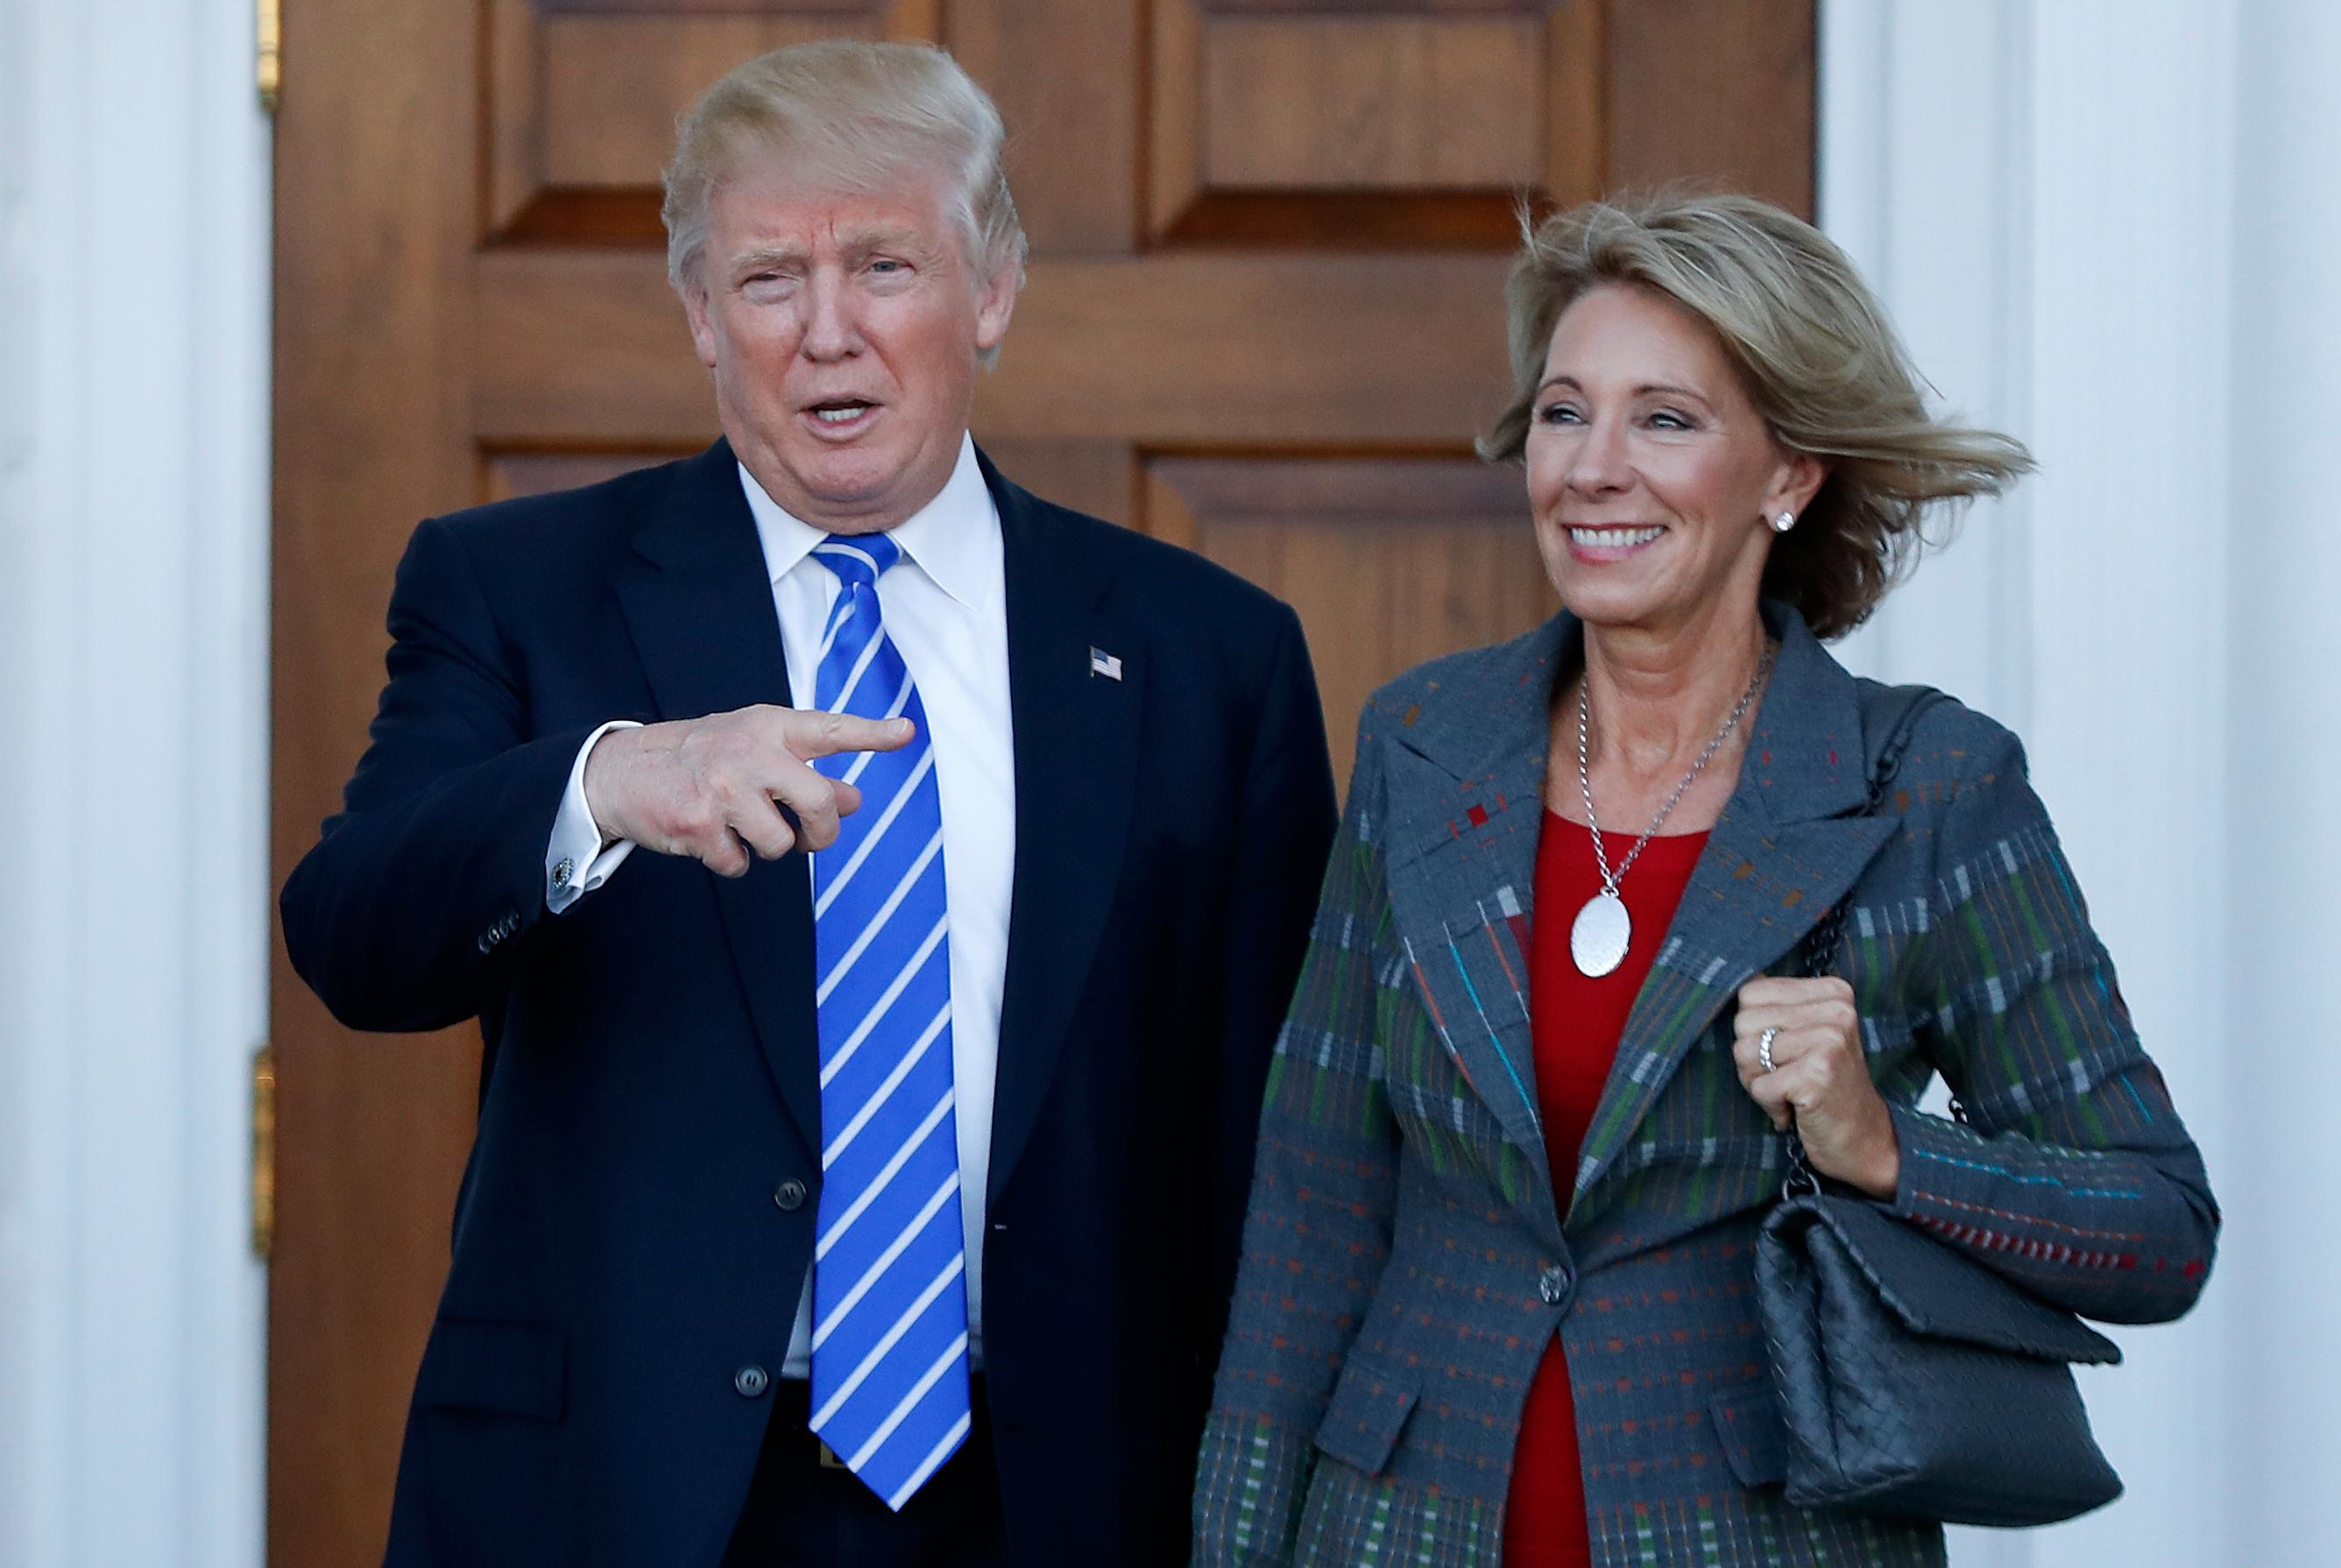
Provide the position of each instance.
(1612, 537)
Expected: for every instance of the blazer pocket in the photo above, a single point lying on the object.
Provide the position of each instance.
(499, 1368)
(1370, 1403)
(1749, 1430)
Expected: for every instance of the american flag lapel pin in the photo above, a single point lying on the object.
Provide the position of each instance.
(1105, 664)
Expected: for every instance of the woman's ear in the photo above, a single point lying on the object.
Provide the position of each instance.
(1795, 483)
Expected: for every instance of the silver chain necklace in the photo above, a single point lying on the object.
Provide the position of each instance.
(1599, 939)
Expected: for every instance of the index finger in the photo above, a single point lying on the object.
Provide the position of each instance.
(1787, 990)
(826, 734)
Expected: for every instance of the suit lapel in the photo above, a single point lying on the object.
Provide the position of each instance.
(699, 605)
(1790, 842)
(1466, 791)
(1076, 753)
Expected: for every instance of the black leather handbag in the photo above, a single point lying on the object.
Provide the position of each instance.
(1912, 1381)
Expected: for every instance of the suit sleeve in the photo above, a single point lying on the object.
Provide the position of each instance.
(1283, 829)
(2075, 1177)
(407, 912)
(1323, 1193)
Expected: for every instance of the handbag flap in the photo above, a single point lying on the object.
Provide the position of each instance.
(1937, 1290)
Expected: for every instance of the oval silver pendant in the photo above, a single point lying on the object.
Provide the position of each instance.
(1598, 938)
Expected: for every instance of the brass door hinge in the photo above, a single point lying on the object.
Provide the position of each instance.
(269, 51)
(263, 1152)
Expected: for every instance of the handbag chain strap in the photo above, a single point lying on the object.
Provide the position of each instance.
(1817, 952)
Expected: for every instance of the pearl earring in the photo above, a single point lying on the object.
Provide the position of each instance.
(1784, 522)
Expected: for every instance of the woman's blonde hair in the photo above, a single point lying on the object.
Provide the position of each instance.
(847, 115)
(1815, 355)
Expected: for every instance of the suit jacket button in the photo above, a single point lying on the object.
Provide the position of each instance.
(789, 1195)
(1552, 1285)
(488, 940)
(750, 1381)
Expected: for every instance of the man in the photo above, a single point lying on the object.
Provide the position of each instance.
(879, 890)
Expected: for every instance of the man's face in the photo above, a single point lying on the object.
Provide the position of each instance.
(843, 332)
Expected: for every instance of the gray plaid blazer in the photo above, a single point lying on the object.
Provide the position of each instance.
(1409, 1256)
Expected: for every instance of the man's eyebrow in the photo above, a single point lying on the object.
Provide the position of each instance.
(862, 241)
(766, 257)
(854, 244)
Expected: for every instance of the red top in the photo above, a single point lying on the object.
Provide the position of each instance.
(1576, 1022)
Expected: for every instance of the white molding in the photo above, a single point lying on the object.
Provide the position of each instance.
(134, 661)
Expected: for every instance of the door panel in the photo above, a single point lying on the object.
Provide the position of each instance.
(1264, 321)
(581, 96)
(1327, 122)
(1389, 561)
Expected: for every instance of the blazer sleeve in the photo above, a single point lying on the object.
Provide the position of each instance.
(1281, 833)
(410, 909)
(2075, 1177)
(1323, 1190)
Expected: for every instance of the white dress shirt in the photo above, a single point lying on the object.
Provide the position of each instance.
(945, 606)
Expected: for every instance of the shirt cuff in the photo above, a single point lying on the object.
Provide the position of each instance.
(575, 862)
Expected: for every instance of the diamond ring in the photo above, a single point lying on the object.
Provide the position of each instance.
(1764, 1047)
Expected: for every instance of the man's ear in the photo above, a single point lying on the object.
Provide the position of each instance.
(995, 304)
(702, 329)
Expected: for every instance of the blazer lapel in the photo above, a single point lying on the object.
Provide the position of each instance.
(1466, 807)
(699, 605)
(1790, 842)
(1076, 753)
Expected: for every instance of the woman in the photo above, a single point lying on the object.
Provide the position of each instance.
(1496, 1303)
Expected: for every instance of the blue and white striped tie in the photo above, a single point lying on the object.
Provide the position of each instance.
(890, 1376)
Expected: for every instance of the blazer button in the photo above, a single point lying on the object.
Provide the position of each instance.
(1552, 1285)
(789, 1195)
(750, 1381)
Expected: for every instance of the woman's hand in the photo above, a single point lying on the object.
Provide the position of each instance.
(1819, 1081)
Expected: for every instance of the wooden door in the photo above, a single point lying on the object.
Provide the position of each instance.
(1263, 320)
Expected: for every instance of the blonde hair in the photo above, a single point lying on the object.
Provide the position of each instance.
(1815, 355)
(849, 117)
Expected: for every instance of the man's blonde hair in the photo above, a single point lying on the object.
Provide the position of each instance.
(849, 117)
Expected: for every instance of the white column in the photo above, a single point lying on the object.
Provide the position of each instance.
(2281, 1179)
(134, 765)
(1922, 181)
(2041, 194)
(2132, 111)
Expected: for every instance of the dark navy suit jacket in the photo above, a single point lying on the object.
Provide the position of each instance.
(632, 1236)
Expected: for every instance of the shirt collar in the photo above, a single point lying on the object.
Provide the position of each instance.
(950, 538)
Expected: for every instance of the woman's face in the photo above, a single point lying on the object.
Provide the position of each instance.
(1650, 471)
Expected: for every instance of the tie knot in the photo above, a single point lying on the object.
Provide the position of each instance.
(859, 559)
